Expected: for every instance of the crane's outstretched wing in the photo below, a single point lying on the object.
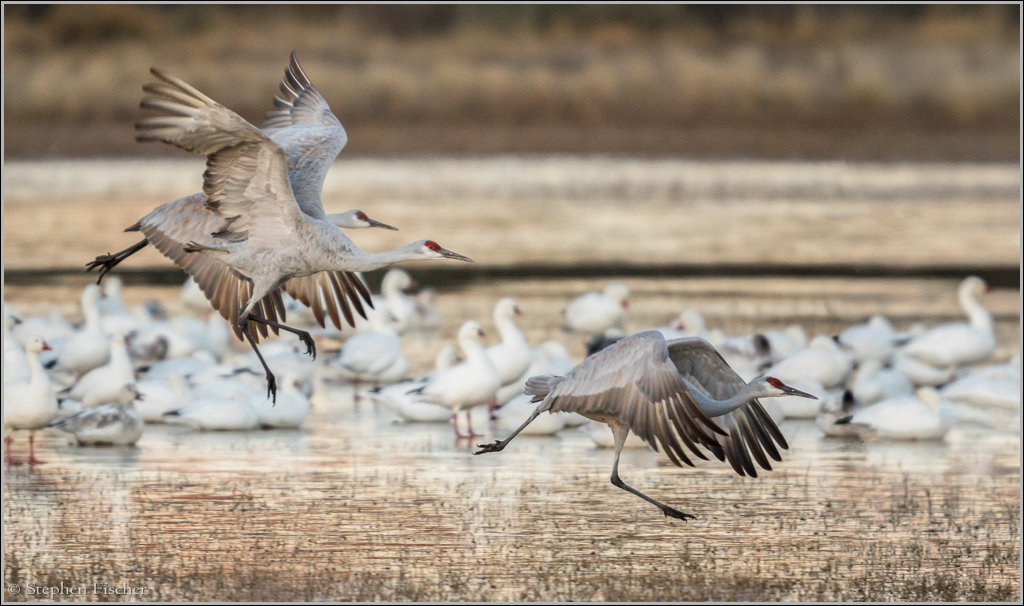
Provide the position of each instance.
(171, 226)
(634, 380)
(246, 180)
(751, 430)
(309, 133)
(246, 196)
(327, 291)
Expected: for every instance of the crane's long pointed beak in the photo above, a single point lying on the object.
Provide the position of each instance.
(374, 223)
(454, 255)
(796, 392)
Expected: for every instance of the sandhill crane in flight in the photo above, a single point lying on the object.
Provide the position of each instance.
(666, 392)
(259, 230)
(311, 137)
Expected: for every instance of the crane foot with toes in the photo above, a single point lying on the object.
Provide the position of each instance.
(496, 446)
(303, 336)
(105, 262)
(272, 388)
(271, 381)
(675, 513)
(307, 340)
(109, 261)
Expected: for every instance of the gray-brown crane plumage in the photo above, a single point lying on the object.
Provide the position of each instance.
(255, 236)
(312, 137)
(680, 394)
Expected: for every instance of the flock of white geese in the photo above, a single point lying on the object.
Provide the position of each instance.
(105, 378)
(871, 380)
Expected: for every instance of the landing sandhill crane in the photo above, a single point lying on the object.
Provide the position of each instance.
(310, 135)
(666, 392)
(260, 232)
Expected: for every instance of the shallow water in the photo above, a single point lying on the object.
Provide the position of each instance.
(356, 507)
(554, 211)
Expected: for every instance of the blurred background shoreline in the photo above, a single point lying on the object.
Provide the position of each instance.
(554, 140)
(859, 83)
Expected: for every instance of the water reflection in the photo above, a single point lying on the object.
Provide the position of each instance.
(371, 505)
(355, 505)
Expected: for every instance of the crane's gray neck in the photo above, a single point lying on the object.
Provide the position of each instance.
(717, 408)
(345, 220)
(360, 260)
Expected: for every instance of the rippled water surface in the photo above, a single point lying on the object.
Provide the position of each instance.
(355, 506)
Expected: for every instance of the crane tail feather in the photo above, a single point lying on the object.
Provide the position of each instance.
(541, 386)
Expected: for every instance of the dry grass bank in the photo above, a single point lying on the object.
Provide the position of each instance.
(461, 68)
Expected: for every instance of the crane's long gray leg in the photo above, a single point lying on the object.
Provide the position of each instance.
(109, 261)
(499, 445)
(271, 381)
(304, 336)
(620, 432)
